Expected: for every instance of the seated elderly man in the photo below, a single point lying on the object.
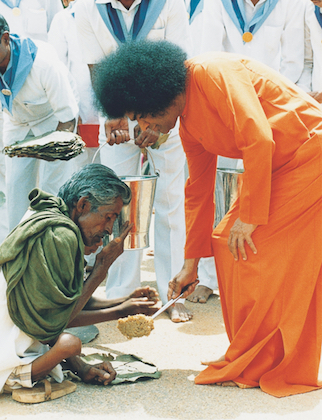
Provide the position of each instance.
(42, 288)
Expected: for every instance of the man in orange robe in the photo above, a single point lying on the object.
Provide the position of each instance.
(269, 274)
(271, 301)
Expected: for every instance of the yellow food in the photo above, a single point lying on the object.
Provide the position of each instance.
(135, 325)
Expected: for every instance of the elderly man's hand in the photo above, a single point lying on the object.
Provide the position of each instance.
(239, 233)
(117, 131)
(99, 374)
(147, 291)
(135, 306)
(113, 249)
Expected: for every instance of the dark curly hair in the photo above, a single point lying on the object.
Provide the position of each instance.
(4, 27)
(143, 77)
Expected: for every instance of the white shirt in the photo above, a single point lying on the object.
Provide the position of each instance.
(197, 30)
(34, 19)
(97, 41)
(311, 78)
(45, 99)
(278, 43)
(63, 36)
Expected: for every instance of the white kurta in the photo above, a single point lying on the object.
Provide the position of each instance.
(45, 99)
(311, 78)
(278, 43)
(34, 19)
(97, 41)
(63, 36)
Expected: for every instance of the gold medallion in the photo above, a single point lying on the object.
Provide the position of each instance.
(16, 11)
(6, 92)
(247, 36)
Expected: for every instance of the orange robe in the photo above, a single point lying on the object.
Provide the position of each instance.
(271, 303)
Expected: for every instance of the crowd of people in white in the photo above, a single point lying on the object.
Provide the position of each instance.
(46, 86)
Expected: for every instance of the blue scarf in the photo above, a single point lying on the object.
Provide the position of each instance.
(9, 3)
(236, 11)
(23, 54)
(145, 17)
(196, 7)
(318, 15)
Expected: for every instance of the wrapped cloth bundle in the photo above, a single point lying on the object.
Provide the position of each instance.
(62, 145)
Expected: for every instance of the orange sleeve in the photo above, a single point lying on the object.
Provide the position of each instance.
(230, 91)
(199, 199)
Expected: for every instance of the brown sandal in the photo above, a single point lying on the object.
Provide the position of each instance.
(43, 391)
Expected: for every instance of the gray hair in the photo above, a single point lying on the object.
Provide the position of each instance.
(98, 183)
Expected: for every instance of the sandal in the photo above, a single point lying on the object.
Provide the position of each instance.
(43, 391)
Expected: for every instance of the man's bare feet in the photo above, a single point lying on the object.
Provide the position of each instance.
(201, 294)
(179, 313)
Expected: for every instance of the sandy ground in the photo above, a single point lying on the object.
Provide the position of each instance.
(176, 349)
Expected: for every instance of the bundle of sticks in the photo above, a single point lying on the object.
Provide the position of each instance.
(62, 145)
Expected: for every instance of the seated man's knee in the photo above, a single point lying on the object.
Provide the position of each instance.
(69, 345)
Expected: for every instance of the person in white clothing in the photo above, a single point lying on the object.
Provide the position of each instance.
(200, 43)
(279, 33)
(63, 36)
(270, 31)
(26, 18)
(30, 18)
(311, 79)
(37, 98)
(102, 26)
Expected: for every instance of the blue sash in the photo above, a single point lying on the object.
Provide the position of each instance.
(236, 11)
(9, 3)
(23, 54)
(318, 15)
(196, 7)
(145, 18)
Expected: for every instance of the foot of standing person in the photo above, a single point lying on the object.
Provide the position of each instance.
(179, 313)
(227, 383)
(201, 294)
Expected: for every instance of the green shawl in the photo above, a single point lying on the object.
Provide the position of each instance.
(43, 262)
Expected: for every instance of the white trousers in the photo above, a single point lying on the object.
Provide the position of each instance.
(206, 269)
(24, 174)
(169, 222)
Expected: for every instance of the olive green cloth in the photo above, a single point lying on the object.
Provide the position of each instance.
(43, 262)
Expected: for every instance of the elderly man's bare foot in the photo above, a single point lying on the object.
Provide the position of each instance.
(200, 294)
(179, 313)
